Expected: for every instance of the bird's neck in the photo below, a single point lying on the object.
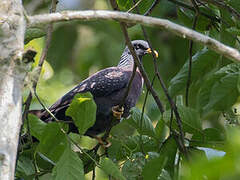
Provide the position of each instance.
(126, 60)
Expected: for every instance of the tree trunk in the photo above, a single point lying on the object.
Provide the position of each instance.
(12, 27)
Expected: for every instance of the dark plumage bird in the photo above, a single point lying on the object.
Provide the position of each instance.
(108, 87)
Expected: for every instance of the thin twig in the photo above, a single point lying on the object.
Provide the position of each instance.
(149, 11)
(134, 6)
(191, 52)
(93, 173)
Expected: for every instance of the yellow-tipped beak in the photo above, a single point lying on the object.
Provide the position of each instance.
(150, 51)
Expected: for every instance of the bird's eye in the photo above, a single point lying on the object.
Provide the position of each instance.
(136, 47)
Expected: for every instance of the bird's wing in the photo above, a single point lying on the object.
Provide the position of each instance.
(102, 83)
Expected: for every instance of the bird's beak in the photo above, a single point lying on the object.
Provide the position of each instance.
(150, 51)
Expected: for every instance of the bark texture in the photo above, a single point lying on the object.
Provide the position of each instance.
(12, 72)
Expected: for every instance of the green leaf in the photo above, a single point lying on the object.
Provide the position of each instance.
(187, 18)
(210, 137)
(169, 149)
(83, 111)
(153, 168)
(69, 166)
(224, 93)
(220, 91)
(203, 62)
(110, 168)
(135, 121)
(53, 141)
(197, 153)
(234, 31)
(191, 121)
(235, 4)
(33, 33)
(25, 167)
(124, 4)
(161, 130)
(36, 125)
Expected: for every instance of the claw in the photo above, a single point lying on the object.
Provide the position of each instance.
(117, 111)
(104, 144)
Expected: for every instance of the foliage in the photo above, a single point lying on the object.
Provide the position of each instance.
(144, 146)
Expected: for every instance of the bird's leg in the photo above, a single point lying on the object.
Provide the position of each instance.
(103, 143)
(117, 111)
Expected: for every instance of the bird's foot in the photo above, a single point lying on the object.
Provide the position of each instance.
(117, 112)
(104, 144)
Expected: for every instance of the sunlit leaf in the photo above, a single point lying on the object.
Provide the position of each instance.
(83, 111)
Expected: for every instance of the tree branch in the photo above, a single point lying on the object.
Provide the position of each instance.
(191, 52)
(12, 28)
(176, 29)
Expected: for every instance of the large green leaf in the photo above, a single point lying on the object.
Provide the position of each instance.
(83, 111)
(69, 166)
(36, 125)
(110, 168)
(224, 93)
(203, 62)
(210, 137)
(53, 141)
(191, 121)
(146, 128)
(220, 91)
(153, 168)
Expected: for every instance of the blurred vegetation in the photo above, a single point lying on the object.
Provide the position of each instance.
(210, 122)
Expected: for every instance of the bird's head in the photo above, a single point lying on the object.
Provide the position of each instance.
(141, 48)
